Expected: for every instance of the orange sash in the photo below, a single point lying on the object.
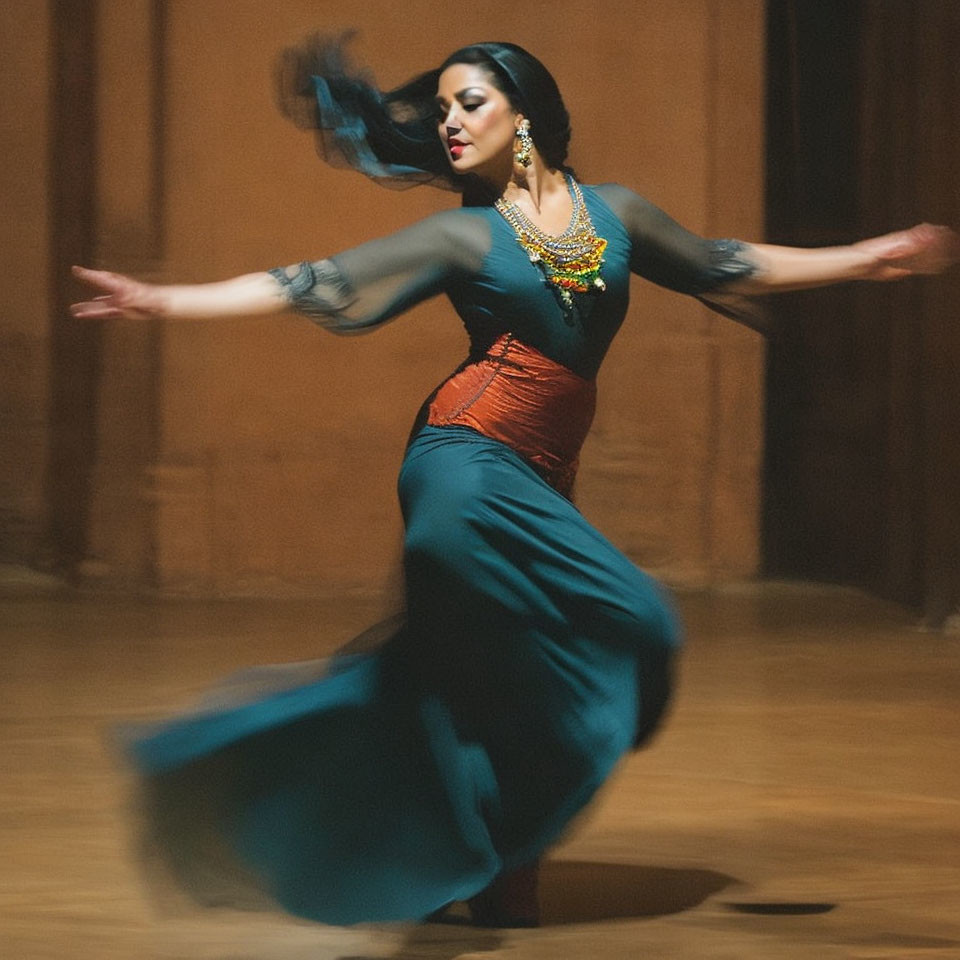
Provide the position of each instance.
(534, 405)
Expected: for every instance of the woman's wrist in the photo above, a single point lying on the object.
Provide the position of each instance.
(864, 263)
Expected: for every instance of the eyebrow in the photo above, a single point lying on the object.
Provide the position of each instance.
(460, 94)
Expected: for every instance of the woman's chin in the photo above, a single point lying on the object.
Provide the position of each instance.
(461, 165)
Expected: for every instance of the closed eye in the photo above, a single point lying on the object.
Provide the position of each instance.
(443, 109)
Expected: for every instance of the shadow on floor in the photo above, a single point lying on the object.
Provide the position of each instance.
(574, 891)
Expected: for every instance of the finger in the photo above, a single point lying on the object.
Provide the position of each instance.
(951, 244)
(85, 273)
(938, 248)
(99, 278)
(91, 310)
(937, 237)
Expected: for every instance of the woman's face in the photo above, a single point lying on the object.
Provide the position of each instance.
(476, 123)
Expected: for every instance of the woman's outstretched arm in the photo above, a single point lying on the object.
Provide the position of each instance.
(351, 292)
(122, 297)
(669, 255)
(924, 249)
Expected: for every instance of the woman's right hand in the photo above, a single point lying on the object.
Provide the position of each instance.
(923, 249)
(120, 297)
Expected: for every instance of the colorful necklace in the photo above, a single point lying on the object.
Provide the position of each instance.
(570, 262)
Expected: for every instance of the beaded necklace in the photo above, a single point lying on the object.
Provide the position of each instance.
(570, 262)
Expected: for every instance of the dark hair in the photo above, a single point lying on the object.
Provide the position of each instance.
(392, 136)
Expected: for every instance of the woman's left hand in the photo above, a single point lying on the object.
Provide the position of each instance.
(923, 249)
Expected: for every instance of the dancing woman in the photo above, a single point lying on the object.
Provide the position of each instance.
(533, 653)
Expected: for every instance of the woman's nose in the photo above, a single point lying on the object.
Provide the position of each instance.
(450, 117)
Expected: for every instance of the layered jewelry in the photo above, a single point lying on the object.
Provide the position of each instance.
(522, 156)
(570, 262)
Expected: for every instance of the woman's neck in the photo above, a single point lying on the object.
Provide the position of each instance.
(536, 187)
(529, 187)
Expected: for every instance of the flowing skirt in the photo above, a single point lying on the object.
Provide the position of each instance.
(533, 655)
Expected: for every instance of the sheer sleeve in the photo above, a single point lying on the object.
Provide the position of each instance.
(363, 287)
(671, 256)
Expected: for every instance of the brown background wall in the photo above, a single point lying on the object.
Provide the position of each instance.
(259, 455)
(25, 267)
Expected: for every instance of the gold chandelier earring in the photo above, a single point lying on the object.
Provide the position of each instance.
(524, 144)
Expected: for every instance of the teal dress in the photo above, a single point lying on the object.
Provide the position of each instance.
(532, 656)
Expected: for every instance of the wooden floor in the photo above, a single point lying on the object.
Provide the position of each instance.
(803, 800)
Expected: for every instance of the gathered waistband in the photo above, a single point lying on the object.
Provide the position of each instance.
(517, 395)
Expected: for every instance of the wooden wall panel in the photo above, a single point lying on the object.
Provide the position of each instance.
(129, 237)
(74, 363)
(25, 269)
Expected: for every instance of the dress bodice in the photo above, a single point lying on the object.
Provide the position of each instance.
(509, 294)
